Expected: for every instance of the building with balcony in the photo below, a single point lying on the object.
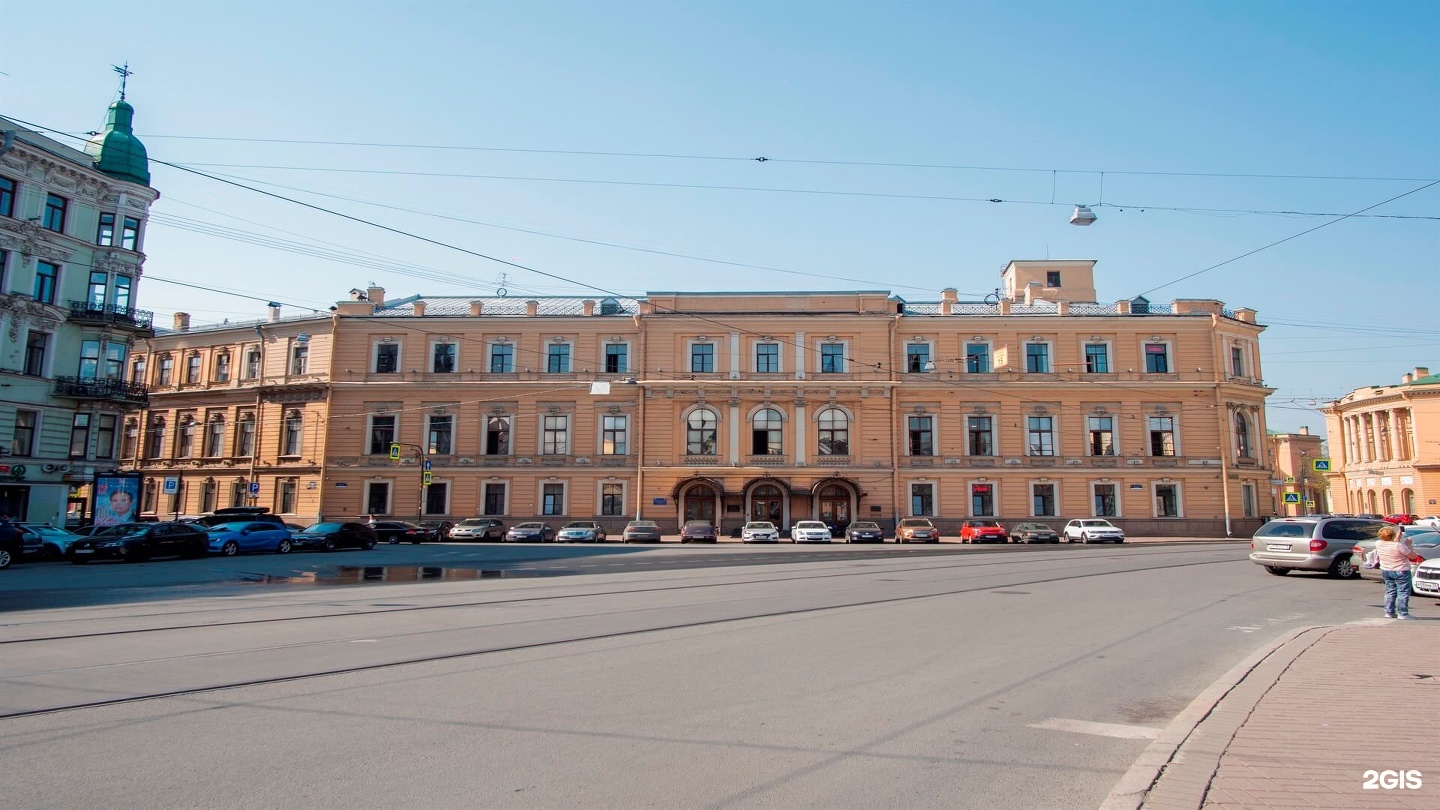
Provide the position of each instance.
(731, 406)
(1385, 447)
(72, 234)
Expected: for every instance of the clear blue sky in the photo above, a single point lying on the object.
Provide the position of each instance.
(967, 93)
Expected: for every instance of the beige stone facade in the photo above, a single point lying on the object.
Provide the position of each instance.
(1293, 456)
(839, 406)
(1385, 447)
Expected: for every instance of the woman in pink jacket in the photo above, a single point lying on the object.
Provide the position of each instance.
(1396, 559)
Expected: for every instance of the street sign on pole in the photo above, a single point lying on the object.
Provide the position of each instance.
(426, 465)
(171, 486)
(394, 452)
(1321, 464)
(425, 478)
(254, 488)
(1292, 497)
(1309, 504)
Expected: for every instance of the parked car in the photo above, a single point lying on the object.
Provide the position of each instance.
(437, 530)
(697, 531)
(478, 529)
(1311, 544)
(1033, 533)
(233, 514)
(232, 538)
(641, 531)
(1426, 543)
(1427, 578)
(1401, 520)
(916, 530)
(983, 531)
(330, 535)
(1093, 530)
(1430, 522)
(168, 539)
(11, 550)
(810, 531)
(396, 531)
(532, 532)
(45, 541)
(581, 531)
(864, 532)
(760, 531)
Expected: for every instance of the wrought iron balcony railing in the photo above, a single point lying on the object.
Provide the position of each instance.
(111, 390)
(91, 312)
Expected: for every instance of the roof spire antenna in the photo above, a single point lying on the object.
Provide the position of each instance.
(125, 73)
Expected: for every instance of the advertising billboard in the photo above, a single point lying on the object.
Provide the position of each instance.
(117, 498)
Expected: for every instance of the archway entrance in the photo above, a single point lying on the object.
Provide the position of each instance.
(699, 503)
(834, 505)
(767, 502)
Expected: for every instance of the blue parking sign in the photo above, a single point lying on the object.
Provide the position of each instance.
(254, 488)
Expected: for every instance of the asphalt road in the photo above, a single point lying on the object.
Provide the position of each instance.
(832, 677)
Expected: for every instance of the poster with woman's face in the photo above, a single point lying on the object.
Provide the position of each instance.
(117, 499)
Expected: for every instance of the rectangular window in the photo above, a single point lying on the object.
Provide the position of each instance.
(387, 358)
(36, 344)
(557, 358)
(128, 441)
(612, 499)
(437, 498)
(1247, 500)
(105, 426)
(1157, 358)
(46, 279)
(99, 285)
(292, 435)
(502, 359)
(3, 259)
(252, 364)
(122, 294)
(167, 370)
(494, 500)
(977, 358)
(1167, 500)
(207, 496)
(982, 500)
(1052, 278)
(222, 367)
(917, 358)
(1101, 430)
(767, 358)
(157, 440)
(382, 434)
(89, 359)
(497, 436)
(441, 435)
(1162, 435)
(555, 436)
(1037, 358)
(702, 358)
(239, 491)
(1042, 500)
(214, 438)
(186, 444)
(614, 432)
(922, 500)
(832, 358)
(130, 234)
(192, 369)
(1040, 435)
(552, 499)
(114, 368)
(299, 360)
(1097, 358)
(105, 234)
(377, 498)
(922, 436)
(617, 358)
(245, 439)
(1237, 361)
(80, 435)
(287, 498)
(55, 210)
(147, 495)
(981, 435)
(7, 197)
(442, 360)
(1106, 504)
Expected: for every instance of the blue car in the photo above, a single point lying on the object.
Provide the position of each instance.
(232, 538)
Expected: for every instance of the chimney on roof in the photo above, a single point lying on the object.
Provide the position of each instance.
(1304, 430)
(1407, 378)
(532, 308)
(1030, 291)
(950, 294)
(274, 311)
(476, 307)
(182, 322)
(376, 295)
(419, 307)
(588, 307)
(1421, 371)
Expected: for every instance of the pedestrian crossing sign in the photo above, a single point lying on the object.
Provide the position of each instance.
(1292, 497)
(425, 478)
(1321, 464)
(394, 452)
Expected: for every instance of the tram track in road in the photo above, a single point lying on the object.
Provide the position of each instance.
(378, 611)
(165, 694)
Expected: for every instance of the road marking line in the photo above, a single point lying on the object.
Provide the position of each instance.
(1244, 628)
(1124, 732)
(364, 641)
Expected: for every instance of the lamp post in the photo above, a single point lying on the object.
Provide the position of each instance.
(396, 450)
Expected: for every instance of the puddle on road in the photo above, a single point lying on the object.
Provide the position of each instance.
(391, 574)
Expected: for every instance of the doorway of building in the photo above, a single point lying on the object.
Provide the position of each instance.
(15, 502)
(767, 503)
(834, 503)
(700, 504)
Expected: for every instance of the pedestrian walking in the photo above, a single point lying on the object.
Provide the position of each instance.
(1397, 557)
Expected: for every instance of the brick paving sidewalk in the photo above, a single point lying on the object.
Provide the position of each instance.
(1302, 725)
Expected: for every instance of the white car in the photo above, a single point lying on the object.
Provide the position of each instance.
(1427, 578)
(760, 531)
(810, 531)
(1093, 530)
(1431, 522)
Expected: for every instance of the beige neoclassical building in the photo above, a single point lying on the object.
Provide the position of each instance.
(723, 406)
(1385, 444)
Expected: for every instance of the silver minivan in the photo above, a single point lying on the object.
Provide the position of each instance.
(1311, 544)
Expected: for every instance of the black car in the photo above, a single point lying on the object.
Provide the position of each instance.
(11, 549)
(330, 536)
(864, 532)
(139, 544)
(437, 530)
(1034, 533)
(239, 514)
(398, 531)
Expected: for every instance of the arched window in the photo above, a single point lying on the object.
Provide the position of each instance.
(1242, 437)
(1389, 502)
(834, 432)
(1370, 499)
(768, 436)
(700, 433)
(1407, 501)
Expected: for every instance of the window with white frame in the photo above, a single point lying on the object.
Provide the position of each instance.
(1037, 358)
(982, 500)
(701, 433)
(921, 433)
(299, 359)
(767, 434)
(192, 369)
(222, 367)
(1097, 358)
(381, 433)
(156, 448)
(37, 345)
(245, 436)
(1100, 435)
(1243, 446)
(612, 499)
(980, 435)
(167, 370)
(834, 432)
(767, 358)
(497, 435)
(437, 498)
(702, 358)
(614, 434)
(239, 492)
(208, 491)
(443, 356)
(1105, 501)
(185, 439)
(552, 499)
(286, 496)
(80, 435)
(1042, 500)
(377, 497)
(832, 358)
(440, 434)
(917, 358)
(1040, 435)
(215, 437)
(129, 440)
(1162, 435)
(977, 358)
(1167, 500)
(105, 436)
(1237, 361)
(617, 358)
(557, 358)
(22, 440)
(555, 435)
(922, 500)
(493, 498)
(502, 358)
(387, 358)
(1247, 500)
(1157, 358)
(252, 363)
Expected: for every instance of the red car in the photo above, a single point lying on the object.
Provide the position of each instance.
(983, 531)
(1402, 520)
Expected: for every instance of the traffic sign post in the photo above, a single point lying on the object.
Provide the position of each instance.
(394, 452)
(425, 478)
(253, 488)
(1292, 497)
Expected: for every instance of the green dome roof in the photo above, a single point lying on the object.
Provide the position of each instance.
(117, 151)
